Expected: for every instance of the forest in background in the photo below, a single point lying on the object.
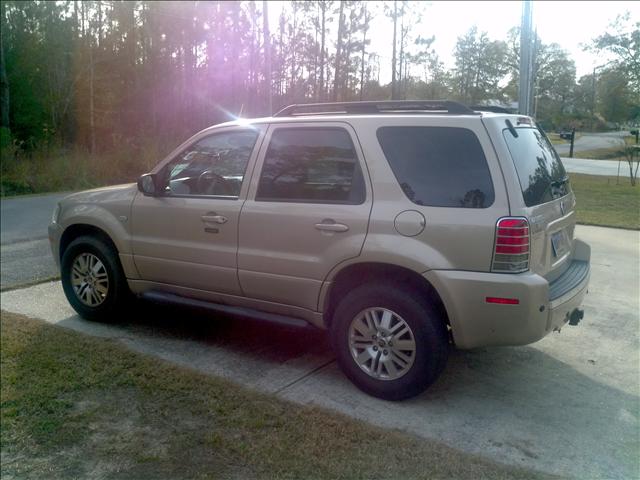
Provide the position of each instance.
(98, 91)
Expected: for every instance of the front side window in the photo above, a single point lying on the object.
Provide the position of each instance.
(438, 166)
(312, 165)
(214, 165)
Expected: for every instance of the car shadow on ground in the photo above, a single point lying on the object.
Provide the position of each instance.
(269, 341)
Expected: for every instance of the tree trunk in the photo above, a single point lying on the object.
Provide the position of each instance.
(99, 6)
(364, 41)
(320, 95)
(267, 57)
(4, 83)
(336, 79)
(234, 55)
(401, 59)
(294, 50)
(394, 88)
(281, 71)
(92, 123)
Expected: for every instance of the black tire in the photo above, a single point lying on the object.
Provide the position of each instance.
(117, 293)
(428, 329)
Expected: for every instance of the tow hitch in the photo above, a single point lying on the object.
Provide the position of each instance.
(575, 316)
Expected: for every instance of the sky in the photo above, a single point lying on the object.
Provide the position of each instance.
(569, 24)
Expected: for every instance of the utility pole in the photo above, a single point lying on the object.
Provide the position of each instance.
(267, 56)
(525, 89)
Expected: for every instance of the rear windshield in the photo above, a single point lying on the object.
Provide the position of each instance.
(540, 171)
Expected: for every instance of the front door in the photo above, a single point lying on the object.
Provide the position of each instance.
(189, 236)
(307, 210)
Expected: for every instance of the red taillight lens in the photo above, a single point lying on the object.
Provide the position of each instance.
(511, 249)
(513, 222)
(513, 231)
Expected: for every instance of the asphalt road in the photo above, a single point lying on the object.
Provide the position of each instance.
(593, 141)
(25, 256)
(568, 404)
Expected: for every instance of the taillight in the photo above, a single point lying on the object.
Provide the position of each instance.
(511, 249)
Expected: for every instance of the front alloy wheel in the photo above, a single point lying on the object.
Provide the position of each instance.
(89, 279)
(92, 278)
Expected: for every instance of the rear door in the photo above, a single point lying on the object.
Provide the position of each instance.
(307, 210)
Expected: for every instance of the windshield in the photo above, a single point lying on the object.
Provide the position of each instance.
(540, 171)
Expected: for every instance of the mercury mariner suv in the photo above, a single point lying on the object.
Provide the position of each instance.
(402, 228)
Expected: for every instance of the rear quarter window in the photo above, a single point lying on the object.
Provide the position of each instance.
(438, 166)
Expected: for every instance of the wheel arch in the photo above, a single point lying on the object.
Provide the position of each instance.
(371, 272)
(83, 229)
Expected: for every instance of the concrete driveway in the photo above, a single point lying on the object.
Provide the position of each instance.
(568, 405)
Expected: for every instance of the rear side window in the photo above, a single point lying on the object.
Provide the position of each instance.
(438, 166)
(312, 165)
(540, 172)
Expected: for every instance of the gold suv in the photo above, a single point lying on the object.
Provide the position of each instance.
(402, 228)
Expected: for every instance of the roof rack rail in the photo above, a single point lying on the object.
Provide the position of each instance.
(385, 106)
(490, 108)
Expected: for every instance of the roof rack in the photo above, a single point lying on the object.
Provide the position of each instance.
(386, 106)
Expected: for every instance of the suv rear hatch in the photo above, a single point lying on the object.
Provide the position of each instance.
(549, 203)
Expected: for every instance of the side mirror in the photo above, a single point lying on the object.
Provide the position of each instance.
(147, 185)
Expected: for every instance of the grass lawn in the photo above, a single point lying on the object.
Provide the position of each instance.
(601, 202)
(75, 406)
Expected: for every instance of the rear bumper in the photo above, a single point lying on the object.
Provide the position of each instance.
(542, 307)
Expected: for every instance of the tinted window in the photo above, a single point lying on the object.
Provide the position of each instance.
(438, 166)
(316, 165)
(214, 165)
(540, 171)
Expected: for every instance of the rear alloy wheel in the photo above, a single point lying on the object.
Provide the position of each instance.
(391, 343)
(93, 280)
(382, 343)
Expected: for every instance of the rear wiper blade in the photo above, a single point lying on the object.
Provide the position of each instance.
(558, 183)
(511, 128)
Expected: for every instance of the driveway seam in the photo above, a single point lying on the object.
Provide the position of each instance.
(306, 375)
